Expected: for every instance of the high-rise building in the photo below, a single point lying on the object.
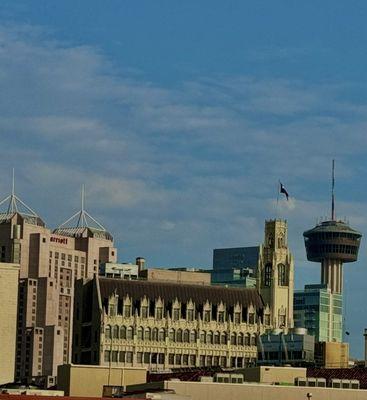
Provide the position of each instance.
(49, 261)
(235, 266)
(275, 274)
(332, 243)
(320, 311)
(268, 267)
(9, 277)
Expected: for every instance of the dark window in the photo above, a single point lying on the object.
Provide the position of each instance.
(267, 275)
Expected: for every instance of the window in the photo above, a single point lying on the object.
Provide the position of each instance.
(123, 332)
(176, 314)
(207, 316)
(144, 312)
(237, 317)
(159, 313)
(233, 339)
(129, 332)
(171, 335)
(139, 357)
(107, 332)
(281, 320)
(216, 337)
(209, 337)
(114, 356)
(161, 335)
(147, 334)
(282, 275)
(267, 319)
(190, 314)
(155, 334)
(107, 356)
(224, 338)
(115, 332)
(127, 311)
(192, 336)
(179, 335)
(267, 275)
(140, 333)
(221, 316)
(186, 336)
(129, 356)
(240, 339)
(251, 318)
(122, 356)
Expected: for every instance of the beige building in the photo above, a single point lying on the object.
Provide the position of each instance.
(275, 274)
(273, 374)
(332, 354)
(89, 380)
(161, 325)
(9, 276)
(49, 261)
(178, 275)
(233, 391)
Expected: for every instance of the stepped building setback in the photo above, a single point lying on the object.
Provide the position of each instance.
(49, 261)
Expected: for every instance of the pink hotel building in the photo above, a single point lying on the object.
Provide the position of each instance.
(50, 261)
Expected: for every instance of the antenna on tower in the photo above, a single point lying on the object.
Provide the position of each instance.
(332, 192)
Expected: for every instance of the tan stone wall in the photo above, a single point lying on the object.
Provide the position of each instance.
(88, 380)
(220, 391)
(336, 355)
(9, 274)
(197, 278)
(273, 374)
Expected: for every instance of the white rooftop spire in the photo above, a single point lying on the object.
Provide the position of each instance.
(15, 204)
(82, 217)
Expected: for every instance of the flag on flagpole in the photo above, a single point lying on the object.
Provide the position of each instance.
(283, 190)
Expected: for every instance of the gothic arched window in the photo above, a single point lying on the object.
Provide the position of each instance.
(267, 275)
(282, 275)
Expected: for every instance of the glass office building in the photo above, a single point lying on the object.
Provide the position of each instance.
(235, 266)
(320, 311)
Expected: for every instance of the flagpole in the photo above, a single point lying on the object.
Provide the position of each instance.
(277, 205)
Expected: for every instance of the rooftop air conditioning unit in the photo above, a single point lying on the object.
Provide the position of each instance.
(300, 381)
(311, 382)
(320, 382)
(354, 384)
(345, 384)
(222, 378)
(236, 378)
(336, 383)
(206, 379)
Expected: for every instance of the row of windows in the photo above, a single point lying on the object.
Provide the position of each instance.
(176, 359)
(189, 314)
(282, 275)
(180, 335)
(69, 257)
(334, 248)
(334, 235)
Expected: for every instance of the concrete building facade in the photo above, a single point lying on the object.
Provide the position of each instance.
(9, 276)
(49, 261)
(162, 325)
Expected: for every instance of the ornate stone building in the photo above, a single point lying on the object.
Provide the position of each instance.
(162, 325)
(275, 275)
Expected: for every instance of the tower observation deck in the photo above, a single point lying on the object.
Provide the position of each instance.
(332, 243)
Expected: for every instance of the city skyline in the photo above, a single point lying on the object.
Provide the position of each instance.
(181, 119)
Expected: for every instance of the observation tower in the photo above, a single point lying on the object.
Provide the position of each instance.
(332, 243)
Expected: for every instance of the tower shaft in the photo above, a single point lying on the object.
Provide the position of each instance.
(332, 274)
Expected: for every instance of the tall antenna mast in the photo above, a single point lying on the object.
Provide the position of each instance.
(332, 192)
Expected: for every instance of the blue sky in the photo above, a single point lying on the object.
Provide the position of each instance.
(180, 117)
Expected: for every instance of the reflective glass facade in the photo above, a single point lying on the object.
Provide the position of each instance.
(235, 266)
(320, 311)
